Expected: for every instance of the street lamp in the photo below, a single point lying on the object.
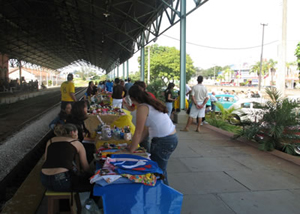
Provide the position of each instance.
(261, 57)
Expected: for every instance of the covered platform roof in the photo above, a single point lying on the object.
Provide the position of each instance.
(57, 33)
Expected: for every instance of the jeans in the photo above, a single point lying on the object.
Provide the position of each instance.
(59, 182)
(146, 144)
(67, 182)
(161, 150)
(169, 106)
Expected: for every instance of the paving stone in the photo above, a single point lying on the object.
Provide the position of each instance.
(262, 202)
(204, 204)
(265, 179)
(204, 164)
(204, 182)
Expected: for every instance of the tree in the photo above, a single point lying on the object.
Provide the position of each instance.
(165, 64)
(297, 54)
(256, 68)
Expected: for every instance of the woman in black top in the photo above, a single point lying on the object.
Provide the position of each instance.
(168, 98)
(59, 172)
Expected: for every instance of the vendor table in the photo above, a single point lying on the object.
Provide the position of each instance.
(138, 198)
(120, 121)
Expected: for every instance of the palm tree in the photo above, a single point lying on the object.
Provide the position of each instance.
(229, 73)
(271, 67)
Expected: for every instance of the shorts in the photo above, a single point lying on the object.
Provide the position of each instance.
(194, 113)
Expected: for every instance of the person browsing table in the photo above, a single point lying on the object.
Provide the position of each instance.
(152, 119)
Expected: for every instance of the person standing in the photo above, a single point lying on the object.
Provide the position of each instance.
(199, 100)
(152, 120)
(169, 98)
(128, 84)
(109, 86)
(213, 101)
(119, 92)
(67, 90)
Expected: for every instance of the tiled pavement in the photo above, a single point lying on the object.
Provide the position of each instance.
(219, 175)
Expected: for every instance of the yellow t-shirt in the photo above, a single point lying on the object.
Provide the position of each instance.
(177, 103)
(66, 88)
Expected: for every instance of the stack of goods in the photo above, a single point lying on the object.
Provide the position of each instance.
(127, 168)
(109, 148)
(105, 132)
(105, 110)
(100, 99)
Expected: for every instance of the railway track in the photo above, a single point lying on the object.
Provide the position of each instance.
(14, 118)
(16, 115)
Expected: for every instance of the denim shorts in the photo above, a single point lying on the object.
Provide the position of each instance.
(60, 182)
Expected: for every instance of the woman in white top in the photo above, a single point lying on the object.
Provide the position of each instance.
(152, 119)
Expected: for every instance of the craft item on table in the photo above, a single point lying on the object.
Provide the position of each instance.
(106, 132)
(148, 179)
(123, 166)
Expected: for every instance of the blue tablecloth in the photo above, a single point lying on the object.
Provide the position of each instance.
(139, 199)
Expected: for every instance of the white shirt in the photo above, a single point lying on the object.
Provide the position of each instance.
(199, 92)
(158, 123)
(187, 90)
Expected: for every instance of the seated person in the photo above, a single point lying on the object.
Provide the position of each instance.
(77, 117)
(59, 173)
(62, 116)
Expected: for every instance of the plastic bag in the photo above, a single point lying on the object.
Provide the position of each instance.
(90, 207)
(139, 198)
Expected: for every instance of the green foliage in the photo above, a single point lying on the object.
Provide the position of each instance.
(225, 113)
(279, 123)
(49, 82)
(165, 64)
(223, 125)
(96, 77)
(156, 88)
(289, 148)
(297, 54)
(266, 67)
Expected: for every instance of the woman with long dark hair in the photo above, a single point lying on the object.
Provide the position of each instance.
(152, 119)
(169, 98)
(77, 117)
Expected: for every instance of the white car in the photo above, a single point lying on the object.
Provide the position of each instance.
(250, 109)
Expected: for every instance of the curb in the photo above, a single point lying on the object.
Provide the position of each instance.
(279, 154)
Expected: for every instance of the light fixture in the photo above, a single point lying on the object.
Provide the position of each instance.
(106, 14)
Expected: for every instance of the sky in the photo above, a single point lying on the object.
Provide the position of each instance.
(233, 30)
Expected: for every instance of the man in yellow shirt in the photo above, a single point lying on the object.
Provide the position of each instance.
(67, 90)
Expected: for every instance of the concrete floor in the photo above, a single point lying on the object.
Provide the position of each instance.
(219, 175)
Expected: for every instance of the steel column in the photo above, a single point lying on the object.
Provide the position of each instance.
(182, 53)
(142, 76)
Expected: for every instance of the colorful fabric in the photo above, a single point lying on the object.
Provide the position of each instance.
(132, 168)
(148, 179)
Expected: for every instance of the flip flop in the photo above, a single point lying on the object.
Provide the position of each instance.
(184, 130)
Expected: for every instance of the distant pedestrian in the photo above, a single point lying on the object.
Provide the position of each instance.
(119, 92)
(128, 84)
(199, 99)
(169, 98)
(67, 90)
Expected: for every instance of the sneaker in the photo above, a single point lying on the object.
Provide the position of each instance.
(204, 122)
(201, 124)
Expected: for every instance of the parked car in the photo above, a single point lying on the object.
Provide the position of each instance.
(226, 100)
(250, 109)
